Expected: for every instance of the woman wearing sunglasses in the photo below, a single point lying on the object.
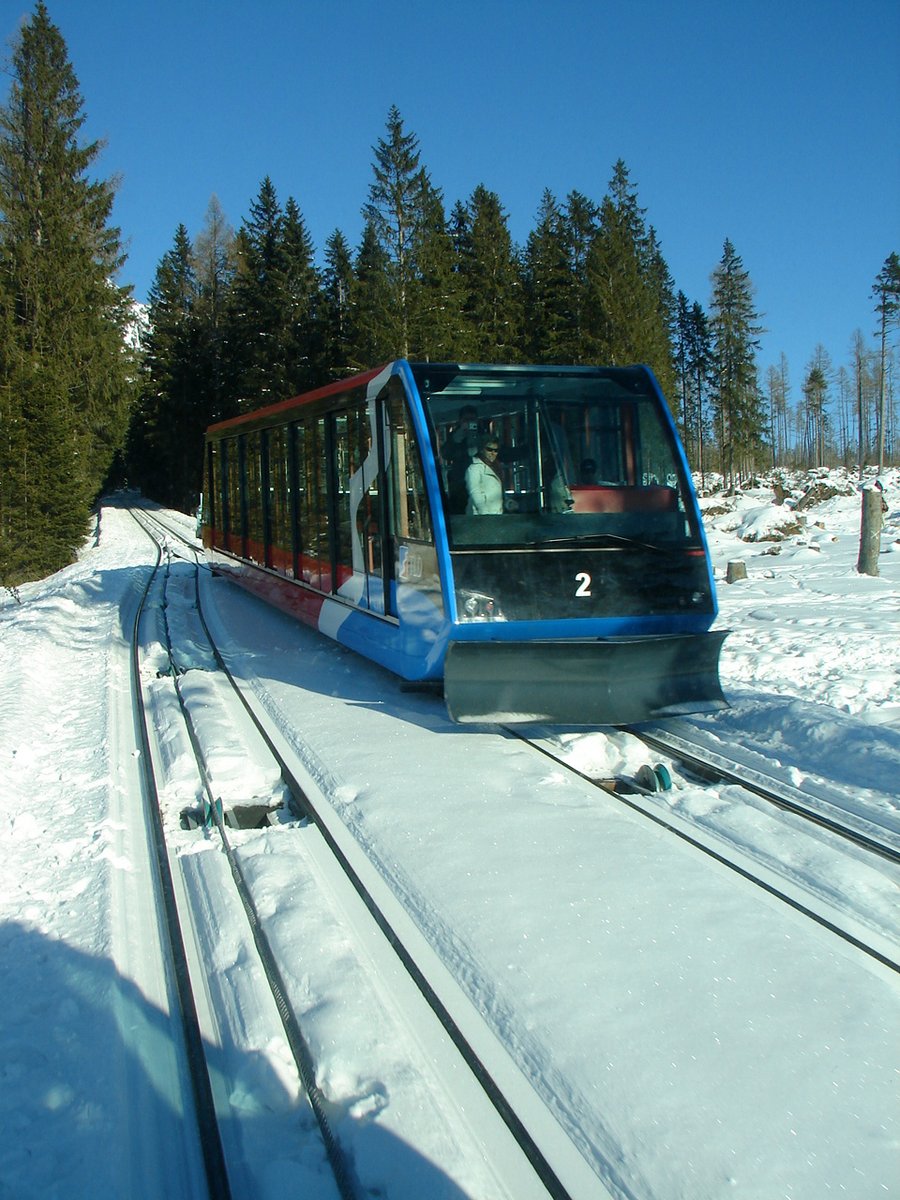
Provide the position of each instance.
(484, 483)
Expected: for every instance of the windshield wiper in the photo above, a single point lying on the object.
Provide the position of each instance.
(609, 539)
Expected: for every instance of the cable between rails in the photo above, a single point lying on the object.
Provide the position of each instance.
(344, 1177)
(207, 1121)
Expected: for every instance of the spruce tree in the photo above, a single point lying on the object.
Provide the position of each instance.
(735, 329)
(335, 319)
(373, 317)
(273, 334)
(886, 292)
(778, 389)
(165, 442)
(436, 322)
(546, 285)
(492, 278)
(299, 304)
(580, 224)
(254, 321)
(66, 381)
(459, 228)
(630, 304)
(694, 358)
(815, 396)
(394, 215)
(214, 268)
(660, 331)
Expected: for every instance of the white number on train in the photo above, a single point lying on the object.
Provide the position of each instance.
(584, 584)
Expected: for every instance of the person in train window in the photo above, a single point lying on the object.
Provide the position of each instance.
(561, 499)
(587, 473)
(460, 449)
(483, 481)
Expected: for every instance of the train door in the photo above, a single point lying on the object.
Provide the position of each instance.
(359, 496)
(413, 561)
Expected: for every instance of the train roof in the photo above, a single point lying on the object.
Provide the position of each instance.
(440, 374)
(304, 398)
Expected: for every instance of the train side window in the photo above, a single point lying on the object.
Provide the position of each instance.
(253, 497)
(357, 499)
(212, 491)
(280, 550)
(409, 499)
(302, 567)
(312, 505)
(234, 532)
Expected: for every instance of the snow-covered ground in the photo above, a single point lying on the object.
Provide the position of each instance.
(693, 1056)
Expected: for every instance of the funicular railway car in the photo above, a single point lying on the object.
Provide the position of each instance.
(527, 534)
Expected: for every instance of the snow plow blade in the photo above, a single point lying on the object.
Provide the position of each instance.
(613, 681)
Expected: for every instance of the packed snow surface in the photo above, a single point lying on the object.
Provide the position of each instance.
(692, 1037)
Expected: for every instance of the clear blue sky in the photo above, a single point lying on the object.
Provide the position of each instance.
(773, 123)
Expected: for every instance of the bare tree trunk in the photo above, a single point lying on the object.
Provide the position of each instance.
(870, 531)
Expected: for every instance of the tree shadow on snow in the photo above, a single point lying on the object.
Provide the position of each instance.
(88, 1110)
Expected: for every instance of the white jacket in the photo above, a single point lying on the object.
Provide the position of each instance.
(485, 488)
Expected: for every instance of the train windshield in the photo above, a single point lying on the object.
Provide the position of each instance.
(540, 456)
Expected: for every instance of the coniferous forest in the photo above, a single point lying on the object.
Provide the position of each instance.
(93, 396)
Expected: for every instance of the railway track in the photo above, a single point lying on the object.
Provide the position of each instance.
(689, 765)
(204, 1112)
(533, 1164)
(592, 1167)
(880, 837)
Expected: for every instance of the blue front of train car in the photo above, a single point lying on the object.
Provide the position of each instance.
(594, 564)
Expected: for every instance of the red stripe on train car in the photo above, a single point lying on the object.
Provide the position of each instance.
(271, 410)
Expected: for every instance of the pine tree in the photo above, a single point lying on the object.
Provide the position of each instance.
(694, 357)
(67, 381)
(886, 292)
(214, 268)
(580, 225)
(273, 313)
(393, 217)
(254, 318)
(373, 324)
(630, 304)
(436, 323)
(299, 304)
(165, 438)
(492, 278)
(735, 330)
(335, 307)
(815, 395)
(547, 286)
(779, 388)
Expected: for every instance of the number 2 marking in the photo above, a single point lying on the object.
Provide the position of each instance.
(584, 584)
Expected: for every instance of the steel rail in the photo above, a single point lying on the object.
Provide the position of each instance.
(782, 795)
(699, 844)
(204, 1103)
(348, 1186)
(307, 807)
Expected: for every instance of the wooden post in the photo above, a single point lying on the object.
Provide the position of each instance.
(870, 531)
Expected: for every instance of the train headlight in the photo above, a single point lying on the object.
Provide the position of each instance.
(475, 606)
